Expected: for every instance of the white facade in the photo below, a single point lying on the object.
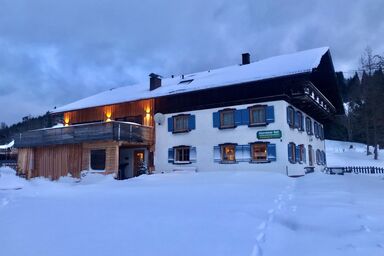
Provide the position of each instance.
(204, 137)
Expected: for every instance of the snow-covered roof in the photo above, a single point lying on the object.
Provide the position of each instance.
(283, 65)
(7, 146)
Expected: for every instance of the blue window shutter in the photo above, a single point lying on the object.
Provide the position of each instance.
(246, 153)
(217, 154)
(270, 114)
(297, 154)
(171, 156)
(297, 118)
(271, 151)
(245, 116)
(291, 159)
(302, 122)
(170, 124)
(192, 154)
(192, 122)
(216, 119)
(289, 121)
(238, 117)
(239, 153)
(304, 154)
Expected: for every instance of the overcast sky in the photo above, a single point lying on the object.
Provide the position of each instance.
(55, 52)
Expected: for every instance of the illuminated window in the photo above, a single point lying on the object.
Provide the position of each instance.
(227, 118)
(228, 153)
(259, 152)
(257, 115)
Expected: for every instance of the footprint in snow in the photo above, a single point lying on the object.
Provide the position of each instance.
(261, 237)
(263, 225)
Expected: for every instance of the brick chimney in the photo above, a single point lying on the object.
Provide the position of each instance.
(154, 81)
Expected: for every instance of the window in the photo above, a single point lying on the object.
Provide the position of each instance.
(180, 123)
(291, 117)
(98, 159)
(308, 125)
(310, 155)
(259, 152)
(318, 157)
(182, 154)
(301, 157)
(321, 132)
(228, 153)
(299, 121)
(292, 152)
(324, 158)
(227, 118)
(316, 125)
(257, 115)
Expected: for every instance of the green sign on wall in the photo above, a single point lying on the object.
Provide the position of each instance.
(271, 134)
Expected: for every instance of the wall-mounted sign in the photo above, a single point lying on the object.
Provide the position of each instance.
(271, 134)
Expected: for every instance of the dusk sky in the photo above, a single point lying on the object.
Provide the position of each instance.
(56, 52)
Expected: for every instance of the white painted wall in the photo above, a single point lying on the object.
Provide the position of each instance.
(205, 137)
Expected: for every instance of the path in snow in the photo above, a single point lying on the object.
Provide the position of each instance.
(281, 204)
(213, 213)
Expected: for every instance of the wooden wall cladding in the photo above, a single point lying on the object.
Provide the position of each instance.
(113, 112)
(56, 161)
(112, 155)
(25, 161)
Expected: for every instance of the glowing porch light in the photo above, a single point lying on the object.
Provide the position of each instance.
(66, 120)
(108, 114)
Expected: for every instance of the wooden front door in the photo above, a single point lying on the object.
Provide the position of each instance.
(138, 159)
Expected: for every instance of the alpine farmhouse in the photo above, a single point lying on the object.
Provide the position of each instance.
(256, 116)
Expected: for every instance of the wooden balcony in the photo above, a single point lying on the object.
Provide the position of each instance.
(74, 134)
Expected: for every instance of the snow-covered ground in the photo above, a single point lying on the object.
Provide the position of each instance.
(342, 153)
(187, 213)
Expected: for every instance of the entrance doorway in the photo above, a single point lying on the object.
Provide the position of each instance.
(130, 162)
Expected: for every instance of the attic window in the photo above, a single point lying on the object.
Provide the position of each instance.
(186, 81)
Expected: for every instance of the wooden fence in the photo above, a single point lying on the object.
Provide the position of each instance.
(355, 170)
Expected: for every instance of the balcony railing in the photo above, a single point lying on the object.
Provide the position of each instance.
(73, 134)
